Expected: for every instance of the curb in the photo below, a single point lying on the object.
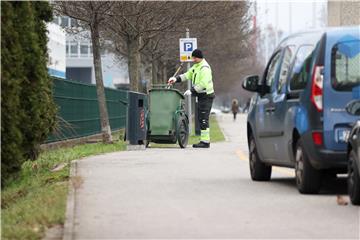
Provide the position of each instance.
(70, 205)
(74, 141)
(222, 129)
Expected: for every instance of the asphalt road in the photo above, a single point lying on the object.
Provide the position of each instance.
(202, 193)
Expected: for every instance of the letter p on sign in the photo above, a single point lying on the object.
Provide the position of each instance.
(188, 46)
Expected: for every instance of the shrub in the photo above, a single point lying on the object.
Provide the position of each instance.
(28, 111)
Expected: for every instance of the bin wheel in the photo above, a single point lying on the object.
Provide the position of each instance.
(182, 132)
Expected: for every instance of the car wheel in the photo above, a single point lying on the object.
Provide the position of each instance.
(353, 179)
(308, 179)
(259, 171)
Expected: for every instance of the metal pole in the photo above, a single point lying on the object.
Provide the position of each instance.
(290, 18)
(314, 15)
(266, 33)
(188, 98)
(276, 23)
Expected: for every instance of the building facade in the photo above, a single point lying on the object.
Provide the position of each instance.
(56, 50)
(343, 13)
(79, 58)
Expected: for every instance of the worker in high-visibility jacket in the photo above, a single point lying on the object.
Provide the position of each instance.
(202, 87)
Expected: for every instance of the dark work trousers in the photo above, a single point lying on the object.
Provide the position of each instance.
(204, 105)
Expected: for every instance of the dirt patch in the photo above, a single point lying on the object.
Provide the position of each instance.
(54, 233)
(77, 181)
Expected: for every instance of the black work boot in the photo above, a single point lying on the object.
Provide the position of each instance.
(201, 145)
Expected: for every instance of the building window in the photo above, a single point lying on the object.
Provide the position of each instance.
(91, 50)
(74, 49)
(67, 48)
(56, 20)
(84, 49)
(64, 22)
(73, 22)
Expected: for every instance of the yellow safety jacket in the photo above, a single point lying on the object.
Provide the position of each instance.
(201, 77)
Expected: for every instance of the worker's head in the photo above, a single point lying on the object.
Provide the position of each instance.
(197, 56)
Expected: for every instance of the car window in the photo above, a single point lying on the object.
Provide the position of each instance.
(345, 70)
(271, 72)
(300, 79)
(301, 68)
(285, 65)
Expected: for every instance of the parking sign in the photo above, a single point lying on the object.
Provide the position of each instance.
(187, 46)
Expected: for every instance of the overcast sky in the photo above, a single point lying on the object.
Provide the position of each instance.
(302, 14)
(288, 16)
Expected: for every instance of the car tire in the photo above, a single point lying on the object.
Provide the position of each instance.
(308, 179)
(259, 171)
(353, 179)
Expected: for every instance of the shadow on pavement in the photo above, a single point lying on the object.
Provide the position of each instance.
(330, 186)
(165, 147)
(289, 182)
(334, 186)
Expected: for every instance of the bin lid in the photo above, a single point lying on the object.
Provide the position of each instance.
(138, 93)
(167, 89)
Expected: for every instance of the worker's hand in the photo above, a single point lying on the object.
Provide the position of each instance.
(187, 93)
(172, 80)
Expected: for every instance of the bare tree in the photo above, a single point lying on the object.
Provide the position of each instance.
(147, 33)
(221, 29)
(92, 14)
(138, 24)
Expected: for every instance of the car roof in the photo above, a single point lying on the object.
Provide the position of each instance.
(336, 32)
(301, 38)
(311, 37)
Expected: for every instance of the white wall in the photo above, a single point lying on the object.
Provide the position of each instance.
(56, 49)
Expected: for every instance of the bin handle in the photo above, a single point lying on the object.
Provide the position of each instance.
(177, 71)
(123, 102)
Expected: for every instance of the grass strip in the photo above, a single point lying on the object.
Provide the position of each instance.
(216, 135)
(35, 199)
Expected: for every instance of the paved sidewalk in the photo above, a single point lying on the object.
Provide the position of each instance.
(200, 193)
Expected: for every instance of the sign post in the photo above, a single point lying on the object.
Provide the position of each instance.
(187, 46)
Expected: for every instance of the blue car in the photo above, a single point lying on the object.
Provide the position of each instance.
(297, 117)
(354, 154)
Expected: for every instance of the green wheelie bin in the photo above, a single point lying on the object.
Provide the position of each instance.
(166, 120)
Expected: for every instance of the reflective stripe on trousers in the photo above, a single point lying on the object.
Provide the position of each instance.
(205, 135)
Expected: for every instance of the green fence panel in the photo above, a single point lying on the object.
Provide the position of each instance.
(78, 109)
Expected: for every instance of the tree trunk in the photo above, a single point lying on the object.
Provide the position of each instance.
(161, 78)
(134, 63)
(154, 72)
(104, 118)
(164, 72)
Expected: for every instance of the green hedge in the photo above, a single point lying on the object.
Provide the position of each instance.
(27, 106)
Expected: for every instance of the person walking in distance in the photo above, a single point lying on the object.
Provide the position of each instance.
(202, 87)
(234, 107)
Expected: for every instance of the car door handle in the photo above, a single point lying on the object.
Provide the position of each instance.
(270, 109)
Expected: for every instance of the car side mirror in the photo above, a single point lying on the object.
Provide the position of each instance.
(251, 83)
(353, 107)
